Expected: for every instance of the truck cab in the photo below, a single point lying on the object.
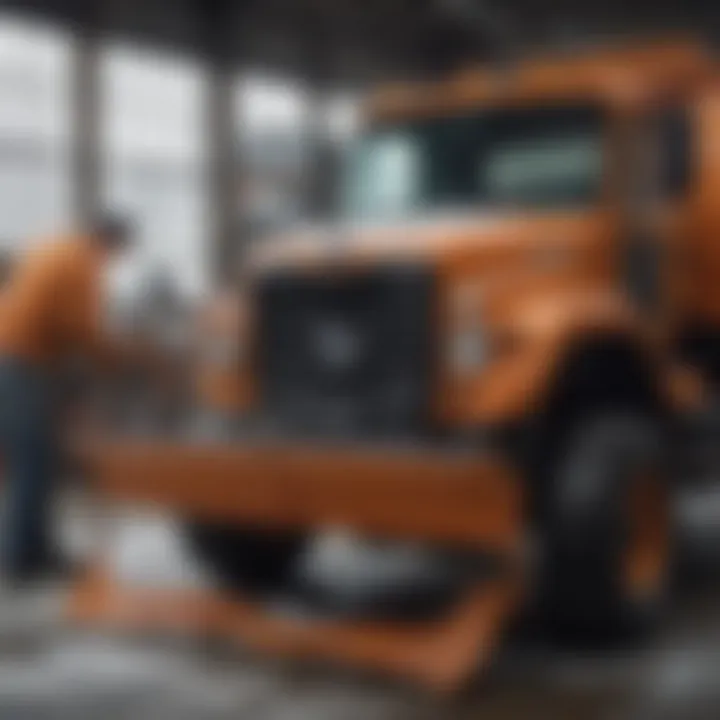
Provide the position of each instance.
(491, 229)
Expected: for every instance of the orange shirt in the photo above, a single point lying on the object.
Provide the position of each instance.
(51, 308)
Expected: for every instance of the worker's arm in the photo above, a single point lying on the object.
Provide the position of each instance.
(86, 319)
(88, 322)
(113, 352)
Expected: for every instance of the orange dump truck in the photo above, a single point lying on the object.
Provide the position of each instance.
(493, 351)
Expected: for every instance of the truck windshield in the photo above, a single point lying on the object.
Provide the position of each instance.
(521, 158)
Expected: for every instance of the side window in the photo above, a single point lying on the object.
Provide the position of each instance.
(675, 152)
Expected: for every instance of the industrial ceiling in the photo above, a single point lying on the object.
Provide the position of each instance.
(352, 42)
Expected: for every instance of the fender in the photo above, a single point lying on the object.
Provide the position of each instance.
(532, 339)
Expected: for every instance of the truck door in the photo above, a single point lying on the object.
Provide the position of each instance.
(658, 214)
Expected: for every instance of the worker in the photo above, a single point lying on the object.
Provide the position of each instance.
(51, 312)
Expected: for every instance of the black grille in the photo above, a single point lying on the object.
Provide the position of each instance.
(347, 355)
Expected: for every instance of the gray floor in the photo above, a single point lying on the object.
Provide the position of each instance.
(49, 671)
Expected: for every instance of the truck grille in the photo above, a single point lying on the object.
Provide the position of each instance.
(347, 355)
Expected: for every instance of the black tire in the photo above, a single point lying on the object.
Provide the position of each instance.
(245, 560)
(585, 591)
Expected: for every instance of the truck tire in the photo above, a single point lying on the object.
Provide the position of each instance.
(607, 530)
(245, 560)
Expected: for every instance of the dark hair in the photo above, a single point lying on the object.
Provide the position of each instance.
(111, 230)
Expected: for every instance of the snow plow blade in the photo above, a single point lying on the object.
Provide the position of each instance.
(435, 496)
(441, 498)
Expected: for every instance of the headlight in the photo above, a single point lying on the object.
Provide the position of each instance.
(467, 350)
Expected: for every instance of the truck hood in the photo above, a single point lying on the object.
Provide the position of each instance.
(444, 242)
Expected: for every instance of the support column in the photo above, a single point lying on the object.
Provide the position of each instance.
(321, 57)
(319, 169)
(223, 174)
(86, 151)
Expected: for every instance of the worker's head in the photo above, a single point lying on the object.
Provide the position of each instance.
(112, 232)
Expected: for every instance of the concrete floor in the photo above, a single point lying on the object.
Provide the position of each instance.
(49, 671)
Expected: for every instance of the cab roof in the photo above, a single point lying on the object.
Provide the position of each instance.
(621, 77)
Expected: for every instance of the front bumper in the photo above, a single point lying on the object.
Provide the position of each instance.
(455, 498)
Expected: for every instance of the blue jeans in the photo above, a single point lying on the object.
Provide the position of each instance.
(26, 439)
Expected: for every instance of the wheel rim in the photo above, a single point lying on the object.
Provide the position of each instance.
(647, 553)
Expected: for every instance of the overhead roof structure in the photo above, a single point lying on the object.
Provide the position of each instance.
(352, 42)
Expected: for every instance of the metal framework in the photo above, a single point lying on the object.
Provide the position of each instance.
(350, 42)
(328, 44)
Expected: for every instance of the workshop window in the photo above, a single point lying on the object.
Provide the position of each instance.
(155, 163)
(35, 113)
